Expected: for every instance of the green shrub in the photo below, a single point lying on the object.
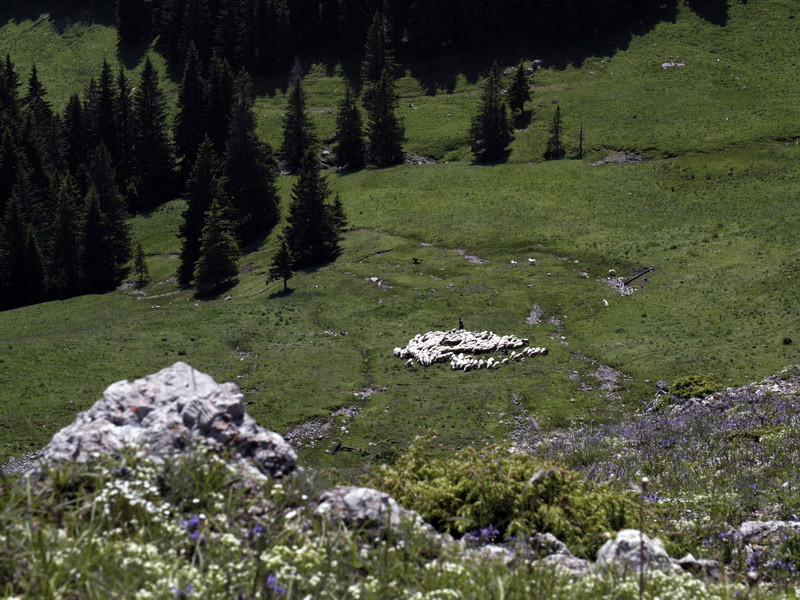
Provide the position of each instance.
(516, 493)
(694, 386)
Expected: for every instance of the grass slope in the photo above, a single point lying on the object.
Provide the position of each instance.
(717, 223)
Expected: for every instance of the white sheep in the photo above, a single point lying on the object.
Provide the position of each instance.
(532, 262)
(513, 263)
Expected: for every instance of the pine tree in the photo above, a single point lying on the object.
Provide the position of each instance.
(102, 178)
(204, 185)
(226, 32)
(378, 57)
(9, 162)
(555, 148)
(350, 150)
(133, 24)
(337, 215)
(219, 251)
(65, 274)
(140, 267)
(519, 93)
(9, 92)
(272, 30)
(35, 102)
(218, 102)
(188, 133)
(385, 132)
(35, 284)
(249, 168)
(153, 154)
(311, 233)
(298, 131)
(97, 265)
(491, 131)
(281, 266)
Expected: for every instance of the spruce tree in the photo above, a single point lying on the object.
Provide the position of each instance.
(249, 168)
(298, 131)
(519, 93)
(13, 270)
(65, 259)
(125, 149)
(378, 57)
(196, 29)
(188, 133)
(385, 132)
(350, 150)
(311, 233)
(204, 185)
(100, 117)
(76, 143)
(218, 102)
(102, 178)
(491, 131)
(140, 267)
(555, 148)
(9, 92)
(97, 265)
(153, 150)
(34, 289)
(281, 266)
(35, 102)
(9, 161)
(219, 250)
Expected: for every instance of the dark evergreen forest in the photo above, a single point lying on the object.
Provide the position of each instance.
(69, 181)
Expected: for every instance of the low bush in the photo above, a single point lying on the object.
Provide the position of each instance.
(517, 494)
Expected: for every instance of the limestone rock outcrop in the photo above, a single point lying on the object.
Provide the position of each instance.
(163, 415)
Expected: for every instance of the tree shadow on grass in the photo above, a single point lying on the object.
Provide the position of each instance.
(522, 119)
(713, 11)
(215, 292)
(282, 293)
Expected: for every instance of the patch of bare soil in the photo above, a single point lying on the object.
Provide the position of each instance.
(535, 316)
(470, 257)
(619, 158)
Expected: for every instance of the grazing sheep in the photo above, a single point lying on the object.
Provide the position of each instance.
(513, 263)
(612, 273)
(410, 362)
(532, 262)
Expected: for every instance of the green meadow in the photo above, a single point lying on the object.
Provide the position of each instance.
(712, 208)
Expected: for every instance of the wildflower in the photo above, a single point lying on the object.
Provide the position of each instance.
(272, 585)
(179, 593)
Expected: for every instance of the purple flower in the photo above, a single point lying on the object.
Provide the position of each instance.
(256, 531)
(272, 584)
(179, 593)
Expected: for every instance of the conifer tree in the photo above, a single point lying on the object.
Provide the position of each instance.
(100, 115)
(311, 233)
(34, 289)
(154, 158)
(97, 265)
(133, 24)
(124, 151)
(226, 32)
(65, 274)
(188, 132)
(298, 131)
(35, 102)
(249, 168)
(350, 150)
(555, 148)
(102, 178)
(75, 140)
(196, 29)
(519, 93)
(281, 266)
(378, 57)
(13, 270)
(385, 132)
(272, 30)
(140, 267)
(491, 131)
(204, 185)
(9, 159)
(9, 92)
(218, 102)
(219, 250)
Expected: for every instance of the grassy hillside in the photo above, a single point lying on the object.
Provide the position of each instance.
(714, 214)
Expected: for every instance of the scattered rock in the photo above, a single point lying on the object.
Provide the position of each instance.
(619, 158)
(361, 507)
(163, 415)
(762, 532)
(535, 316)
(632, 549)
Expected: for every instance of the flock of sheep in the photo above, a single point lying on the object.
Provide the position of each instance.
(458, 345)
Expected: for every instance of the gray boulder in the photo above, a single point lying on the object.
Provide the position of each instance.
(165, 414)
(555, 552)
(761, 532)
(358, 507)
(632, 550)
